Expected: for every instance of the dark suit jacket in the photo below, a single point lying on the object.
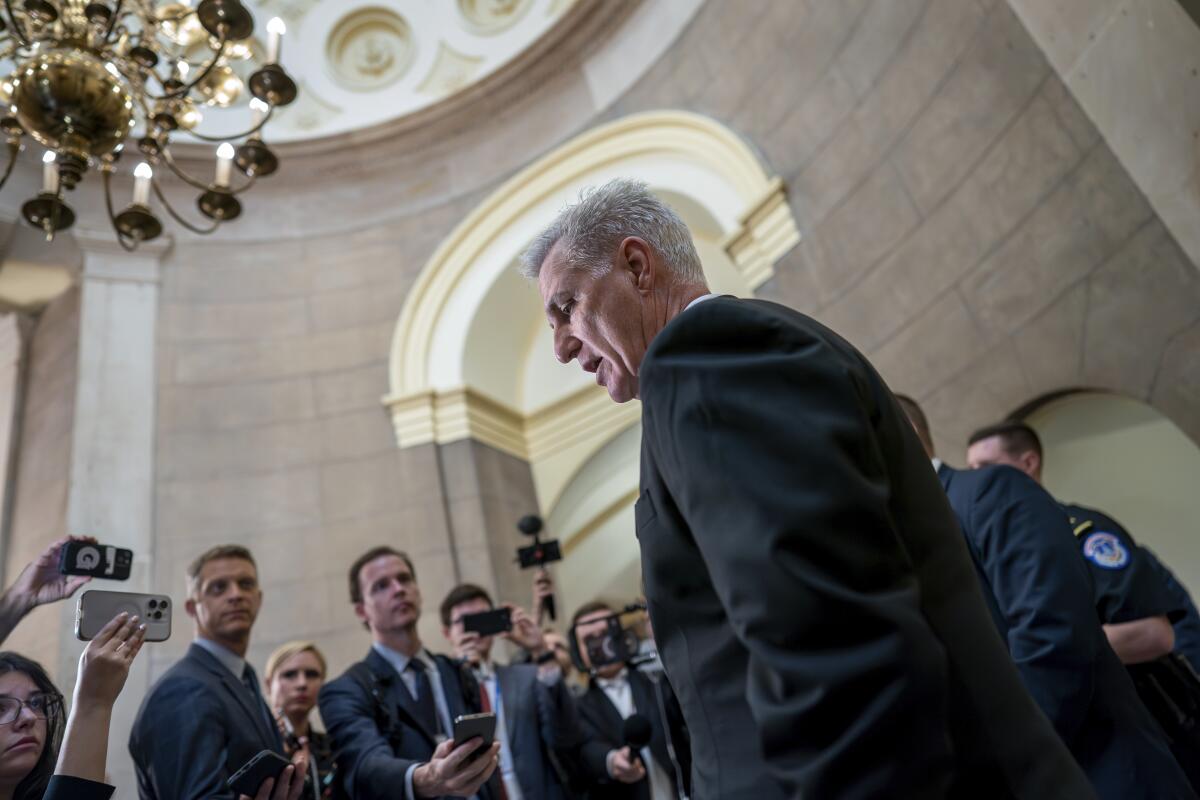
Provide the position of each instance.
(197, 726)
(542, 725)
(376, 730)
(604, 729)
(1041, 597)
(63, 787)
(813, 600)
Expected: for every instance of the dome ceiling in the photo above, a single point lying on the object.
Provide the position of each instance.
(360, 63)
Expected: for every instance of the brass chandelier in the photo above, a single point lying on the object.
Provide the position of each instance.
(90, 74)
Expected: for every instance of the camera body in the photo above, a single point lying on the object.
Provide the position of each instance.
(96, 561)
(617, 643)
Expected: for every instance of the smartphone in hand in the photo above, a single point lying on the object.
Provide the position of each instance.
(96, 609)
(96, 560)
(471, 726)
(254, 772)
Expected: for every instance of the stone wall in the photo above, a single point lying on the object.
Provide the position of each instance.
(964, 223)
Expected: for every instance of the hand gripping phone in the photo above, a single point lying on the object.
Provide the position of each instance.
(266, 764)
(97, 560)
(470, 726)
(96, 609)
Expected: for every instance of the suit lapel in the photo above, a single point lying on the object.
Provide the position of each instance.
(238, 691)
(396, 692)
(510, 697)
(601, 707)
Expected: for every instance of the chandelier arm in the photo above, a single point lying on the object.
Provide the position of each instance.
(162, 198)
(112, 21)
(251, 180)
(179, 172)
(243, 135)
(186, 88)
(13, 149)
(112, 218)
(16, 25)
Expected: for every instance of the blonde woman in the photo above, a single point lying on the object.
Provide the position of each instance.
(294, 675)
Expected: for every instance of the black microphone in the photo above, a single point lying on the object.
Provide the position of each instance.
(530, 524)
(637, 734)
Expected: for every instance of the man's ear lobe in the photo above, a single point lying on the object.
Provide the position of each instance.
(638, 258)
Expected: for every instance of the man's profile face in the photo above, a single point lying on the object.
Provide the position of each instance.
(226, 600)
(601, 321)
(391, 598)
(992, 451)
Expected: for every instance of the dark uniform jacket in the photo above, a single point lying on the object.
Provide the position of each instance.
(1041, 599)
(197, 727)
(604, 732)
(1187, 627)
(816, 609)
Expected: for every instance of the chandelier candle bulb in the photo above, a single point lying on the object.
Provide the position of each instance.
(224, 164)
(258, 111)
(277, 29)
(49, 173)
(141, 184)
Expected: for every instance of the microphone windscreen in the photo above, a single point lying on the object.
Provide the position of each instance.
(530, 524)
(637, 731)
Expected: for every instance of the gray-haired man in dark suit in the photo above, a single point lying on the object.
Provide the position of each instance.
(815, 606)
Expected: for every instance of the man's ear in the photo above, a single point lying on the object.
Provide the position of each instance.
(1035, 463)
(189, 606)
(638, 259)
(360, 612)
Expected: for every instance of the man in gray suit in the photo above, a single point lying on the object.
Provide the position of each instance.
(537, 724)
(815, 607)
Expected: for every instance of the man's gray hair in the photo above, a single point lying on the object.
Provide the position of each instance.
(592, 229)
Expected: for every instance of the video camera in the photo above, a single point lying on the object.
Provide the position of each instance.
(617, 642)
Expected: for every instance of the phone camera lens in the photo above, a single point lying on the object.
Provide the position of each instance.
(157, 615)
(153, 604)
(162, 603)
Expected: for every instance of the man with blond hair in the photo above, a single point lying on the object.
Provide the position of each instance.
(815, 607)
(206, 717)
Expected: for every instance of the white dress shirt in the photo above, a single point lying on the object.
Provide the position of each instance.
(620, 693)
(700, 300)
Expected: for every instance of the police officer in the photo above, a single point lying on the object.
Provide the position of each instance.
(1040, 595)
(1131, 598)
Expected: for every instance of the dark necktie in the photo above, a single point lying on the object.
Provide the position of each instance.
(426, 707)
(250, 681)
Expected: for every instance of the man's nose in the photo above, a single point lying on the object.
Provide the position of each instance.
(566, 347)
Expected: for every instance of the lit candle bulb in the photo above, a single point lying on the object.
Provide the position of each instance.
(141, 184)
(224, 164)
(183, 68)
(277, 29)
(258, 112)
(49, 173)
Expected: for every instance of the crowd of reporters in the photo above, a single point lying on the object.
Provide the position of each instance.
(585, 713)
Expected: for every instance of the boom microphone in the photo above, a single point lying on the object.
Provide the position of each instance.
(637, 733)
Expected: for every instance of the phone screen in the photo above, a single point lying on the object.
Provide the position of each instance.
(488, 623)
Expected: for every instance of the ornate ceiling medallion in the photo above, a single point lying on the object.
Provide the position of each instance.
(489, 17)
(370, 49)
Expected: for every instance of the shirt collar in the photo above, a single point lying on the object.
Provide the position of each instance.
(937, 464)
(229, 659)
(399, 661)
(700, 300)
(621, 680)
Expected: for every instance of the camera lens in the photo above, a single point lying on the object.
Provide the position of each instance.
(157, 615)
(162, 603)
(153, 604)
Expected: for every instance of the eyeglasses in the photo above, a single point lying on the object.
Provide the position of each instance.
(43, 706)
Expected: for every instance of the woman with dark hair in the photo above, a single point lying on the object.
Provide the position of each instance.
(32, 725)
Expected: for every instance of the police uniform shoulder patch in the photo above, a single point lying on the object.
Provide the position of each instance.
(1106, 550)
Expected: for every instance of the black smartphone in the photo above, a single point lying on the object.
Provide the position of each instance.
(251, 776)
(97, 560)
(488, 623)
(470, 726)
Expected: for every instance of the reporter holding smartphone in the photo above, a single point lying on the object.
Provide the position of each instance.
(39, 583)
(31, 719)
(537, 725)
(392, 714)
(295, 673)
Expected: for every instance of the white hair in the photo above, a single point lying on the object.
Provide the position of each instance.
(591, 230)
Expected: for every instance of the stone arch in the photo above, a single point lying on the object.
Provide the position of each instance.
(460, 364)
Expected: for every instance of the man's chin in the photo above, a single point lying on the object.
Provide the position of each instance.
(620, 392)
